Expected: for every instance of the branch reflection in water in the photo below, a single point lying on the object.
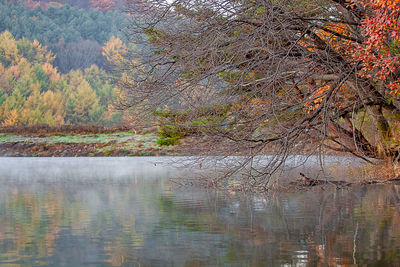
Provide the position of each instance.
(124, 211)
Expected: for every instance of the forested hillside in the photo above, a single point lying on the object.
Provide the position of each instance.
(74, 35)
(33, 91)
(53, 62)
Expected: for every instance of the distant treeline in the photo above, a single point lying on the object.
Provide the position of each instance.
(102, 5)
(33, 91)
(74, 35)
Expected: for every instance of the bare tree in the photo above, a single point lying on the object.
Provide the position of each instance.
(79, 54)
(262, 75)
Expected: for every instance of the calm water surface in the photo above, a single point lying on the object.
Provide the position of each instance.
(125, 212)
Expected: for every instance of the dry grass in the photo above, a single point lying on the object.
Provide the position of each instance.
(44, 129)
(383, 170)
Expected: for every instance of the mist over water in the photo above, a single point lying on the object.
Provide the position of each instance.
(115, 168)
(81, 168)
(126, 212)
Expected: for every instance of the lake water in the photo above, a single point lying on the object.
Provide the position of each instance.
(125, 212)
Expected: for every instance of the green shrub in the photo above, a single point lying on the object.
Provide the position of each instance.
(169, 135)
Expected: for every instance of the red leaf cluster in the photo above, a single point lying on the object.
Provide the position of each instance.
(380, 52)
(102, 5)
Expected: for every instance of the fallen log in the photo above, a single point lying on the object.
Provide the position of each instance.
(305, 181)
(395, 180)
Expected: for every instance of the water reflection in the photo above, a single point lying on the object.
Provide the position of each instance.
(116, 221)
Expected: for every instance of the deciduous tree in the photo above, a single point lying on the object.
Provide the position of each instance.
(279, 76)
(32, 91)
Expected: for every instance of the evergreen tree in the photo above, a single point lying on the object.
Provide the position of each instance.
(82, 104)
(32, 91)
(82, 32)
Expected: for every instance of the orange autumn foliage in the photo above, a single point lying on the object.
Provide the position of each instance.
(380, 52)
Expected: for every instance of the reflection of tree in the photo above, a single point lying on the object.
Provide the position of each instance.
(318, 226)
(35, 220)
(127, 223)
(31, 222)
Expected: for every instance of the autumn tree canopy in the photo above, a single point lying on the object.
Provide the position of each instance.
(33, 91)
(379, 53)
(281, 75)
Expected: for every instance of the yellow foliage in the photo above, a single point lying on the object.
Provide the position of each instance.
(11, 118)
(54, 112)
(8, 48)
(75, 78)
(3, 79)
(51, 72)
(92, 68)
(43, 108)
(114, 50)
(24, 66)
(41, 52)
(50, 57)
(28, 110)
(66, 96)
(85, 96)
(14, 71)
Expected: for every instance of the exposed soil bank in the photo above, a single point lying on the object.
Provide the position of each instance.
(81, 141)
(20, 149)
(82, 149)
(90, 141)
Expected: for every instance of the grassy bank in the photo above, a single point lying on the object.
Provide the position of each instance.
(77, 141)
(90, 141)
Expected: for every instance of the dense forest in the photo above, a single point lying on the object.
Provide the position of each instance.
(33, 91)
(54, 62)
(74, 35)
